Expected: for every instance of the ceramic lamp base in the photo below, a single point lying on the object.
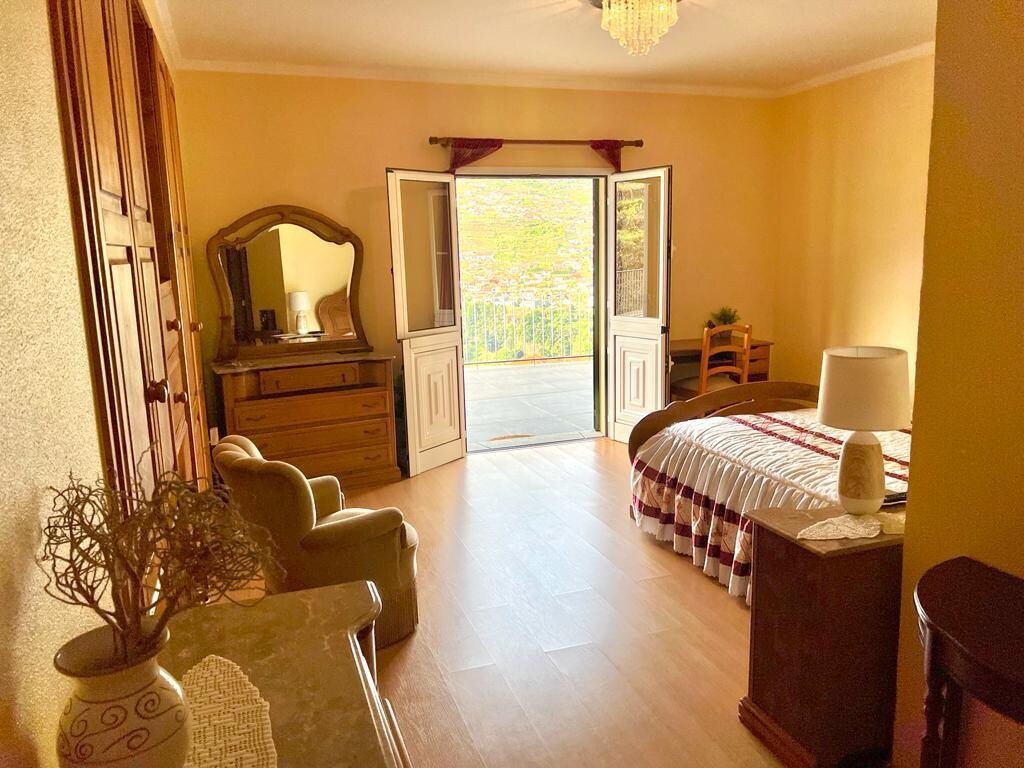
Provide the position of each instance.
(861, 474)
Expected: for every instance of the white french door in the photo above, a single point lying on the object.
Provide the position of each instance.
(637, 268)
(425, 262)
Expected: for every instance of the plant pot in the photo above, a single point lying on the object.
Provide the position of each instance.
(120, 715)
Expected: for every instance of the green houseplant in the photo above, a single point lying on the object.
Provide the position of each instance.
(723, 316)
(136, 558)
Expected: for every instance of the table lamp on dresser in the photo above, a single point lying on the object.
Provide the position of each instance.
(865, 390)
(298, 302)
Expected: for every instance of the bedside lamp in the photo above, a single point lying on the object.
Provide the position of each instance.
(863, 389)
(298, 302)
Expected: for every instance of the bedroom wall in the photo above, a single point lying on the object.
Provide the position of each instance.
(967, 490)
(325, 143)
(852, 182)
(47, 419)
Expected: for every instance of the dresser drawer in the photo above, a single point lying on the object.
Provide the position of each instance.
(343, 462)
(332, 437)
(310, 409)
(308, 377)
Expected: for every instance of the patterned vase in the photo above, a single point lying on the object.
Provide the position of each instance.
(120, 716)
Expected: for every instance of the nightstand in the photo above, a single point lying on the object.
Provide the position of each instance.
(824, 629)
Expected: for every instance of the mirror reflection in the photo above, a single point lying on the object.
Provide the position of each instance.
(427, 254)
(289, 285)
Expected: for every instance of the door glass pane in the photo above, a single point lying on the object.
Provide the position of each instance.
(427, 253)
(638, 243)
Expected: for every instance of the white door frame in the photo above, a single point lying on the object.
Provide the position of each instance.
(432, 357)
(637, 352)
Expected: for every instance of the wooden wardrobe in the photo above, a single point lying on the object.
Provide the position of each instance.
(119, 129)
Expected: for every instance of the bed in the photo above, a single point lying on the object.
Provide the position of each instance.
(699, 466)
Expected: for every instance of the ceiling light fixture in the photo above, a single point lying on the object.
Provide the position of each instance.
(637, 25)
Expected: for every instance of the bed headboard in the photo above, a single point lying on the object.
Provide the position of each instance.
(757, 397)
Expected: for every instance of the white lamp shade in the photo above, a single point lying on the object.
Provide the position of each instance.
(298, 301)
(865, 389)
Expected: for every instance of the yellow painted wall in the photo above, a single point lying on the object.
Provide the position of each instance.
(313, 265)
(47, 421)
(967, 487)
(325, 143)
(852, 182)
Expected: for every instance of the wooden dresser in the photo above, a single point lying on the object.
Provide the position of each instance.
(326, 413)
(824, 629)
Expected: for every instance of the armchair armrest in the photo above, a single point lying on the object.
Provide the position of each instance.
(355, 530)
(327, 495)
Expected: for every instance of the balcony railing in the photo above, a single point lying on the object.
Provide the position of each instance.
(503, 328)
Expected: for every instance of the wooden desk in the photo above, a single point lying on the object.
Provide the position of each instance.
(824, 628)
(689, 351)
(310, 654)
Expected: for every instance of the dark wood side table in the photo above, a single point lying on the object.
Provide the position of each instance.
(824, 629)
(973, 635)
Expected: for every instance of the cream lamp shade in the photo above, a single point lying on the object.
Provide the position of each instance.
(298, 301)
(864, 389)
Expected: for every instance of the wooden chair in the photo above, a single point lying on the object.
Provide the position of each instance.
(722, 339)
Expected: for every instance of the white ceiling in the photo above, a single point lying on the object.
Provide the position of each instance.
(755, 46)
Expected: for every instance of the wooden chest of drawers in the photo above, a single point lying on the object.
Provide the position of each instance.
(328, 414)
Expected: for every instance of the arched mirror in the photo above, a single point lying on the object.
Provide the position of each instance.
(288, 281)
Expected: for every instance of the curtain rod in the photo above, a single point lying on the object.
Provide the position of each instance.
(445, 140)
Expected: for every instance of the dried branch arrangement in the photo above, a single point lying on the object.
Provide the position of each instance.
(102, 545)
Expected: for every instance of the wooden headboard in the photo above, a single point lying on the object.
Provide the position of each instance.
(757, 397)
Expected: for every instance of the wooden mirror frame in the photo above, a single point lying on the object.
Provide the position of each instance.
(246, 228)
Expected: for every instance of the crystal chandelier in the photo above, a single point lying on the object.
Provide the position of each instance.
(638, 25)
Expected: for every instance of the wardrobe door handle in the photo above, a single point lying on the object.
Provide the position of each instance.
(174, 325)
(181, 397)
(158, 391)
(197, 326)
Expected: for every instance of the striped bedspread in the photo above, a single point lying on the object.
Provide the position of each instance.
(693, 482)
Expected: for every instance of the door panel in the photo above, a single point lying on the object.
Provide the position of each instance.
(639, 244)
(434, 400)
(428, 317)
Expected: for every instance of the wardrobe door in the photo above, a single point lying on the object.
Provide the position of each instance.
(181, 326)
(114, 233)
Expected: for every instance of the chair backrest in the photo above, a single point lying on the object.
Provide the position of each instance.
(734, 339)
(271, 494)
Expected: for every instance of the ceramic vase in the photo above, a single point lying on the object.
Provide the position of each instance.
(120, 715)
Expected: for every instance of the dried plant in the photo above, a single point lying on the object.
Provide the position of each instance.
(136, 559)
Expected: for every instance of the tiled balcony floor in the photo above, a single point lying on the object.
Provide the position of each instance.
(528, 404)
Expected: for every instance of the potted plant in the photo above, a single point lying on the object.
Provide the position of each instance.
(136, 559)
(723, 316)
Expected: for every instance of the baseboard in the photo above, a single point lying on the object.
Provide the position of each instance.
(791, 752)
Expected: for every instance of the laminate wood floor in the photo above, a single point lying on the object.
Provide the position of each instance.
(552, 631)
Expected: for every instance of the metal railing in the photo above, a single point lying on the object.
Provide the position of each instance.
(502, 328)
(630, 292)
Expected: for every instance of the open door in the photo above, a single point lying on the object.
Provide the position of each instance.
(639, 241)
(425, 263)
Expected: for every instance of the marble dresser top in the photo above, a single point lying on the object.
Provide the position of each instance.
(300, 650)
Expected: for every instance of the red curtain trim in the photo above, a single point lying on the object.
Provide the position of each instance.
(466, 151)
(610, 150)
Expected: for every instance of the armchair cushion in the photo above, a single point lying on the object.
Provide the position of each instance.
(351, 527)
(327, 495)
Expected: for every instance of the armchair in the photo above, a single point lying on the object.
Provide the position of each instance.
(317, 540)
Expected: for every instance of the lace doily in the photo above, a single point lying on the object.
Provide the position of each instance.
(855, 526)
(230, 720)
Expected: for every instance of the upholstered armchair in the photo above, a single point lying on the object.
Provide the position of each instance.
(319, 542)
